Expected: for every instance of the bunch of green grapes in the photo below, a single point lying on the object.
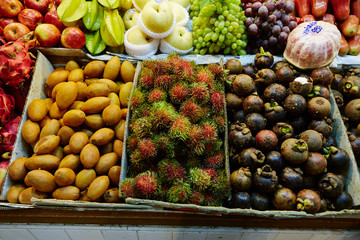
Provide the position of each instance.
(218, 27)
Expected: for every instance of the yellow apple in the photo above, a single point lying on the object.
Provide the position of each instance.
(137, 37)
(181, 15)
(130, 18)
(183, 3)
(138, 44)
(181, 39)
(139, 4)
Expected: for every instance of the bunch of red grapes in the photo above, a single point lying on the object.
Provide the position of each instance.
(268, 25)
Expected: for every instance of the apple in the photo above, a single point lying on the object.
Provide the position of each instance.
(180, 38)
(137, 37)
(53, 18)
(181, 15)
(30, 18)
(138, 44)
(10, 8)
(40, 5)
(183, 3)
(158, 18)
(130, 18)
(14, 31)
(73, 37)
(57, 2)
(48, 35)
(138, 4)
(4, 22)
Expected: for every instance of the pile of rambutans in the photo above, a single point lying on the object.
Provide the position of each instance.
(175, 147)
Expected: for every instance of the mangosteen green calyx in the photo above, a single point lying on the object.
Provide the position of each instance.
(241, 179)
(351, 87)
(292, 178)
(263, 59)
(338, 160)
(284, 199)
(302, 85)
(295, 151)
(251, 158)
(265, 180)
(273, 112)
(330, 185)
(240, 135)
(320, 91)
(283, 130)
(308, 201)
(313, 139)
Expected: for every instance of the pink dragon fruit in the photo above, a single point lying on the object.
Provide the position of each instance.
(7, 105)
(16, 61)
(7, 137)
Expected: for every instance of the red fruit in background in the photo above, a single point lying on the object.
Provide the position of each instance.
(354, 45)
(307, 18)
(344, 46)
(7, 106)
(341, 9)
(319, 7)
(355, 8)
(40, 5)
(53, 18)
(4, 22)
(8, 135)
(30, 18)
(14, 31)
(48, 35)
(266, 140)
(73, 37)
(328, 18)
(350, 26)
(10, 8)
(57, 2)
(302, 7)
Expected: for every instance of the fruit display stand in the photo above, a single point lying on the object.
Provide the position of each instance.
(161, 214)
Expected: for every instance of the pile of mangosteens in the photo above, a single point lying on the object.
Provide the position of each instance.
(346, 90)
(282, 152)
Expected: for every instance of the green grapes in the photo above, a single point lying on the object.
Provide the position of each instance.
(218, 27)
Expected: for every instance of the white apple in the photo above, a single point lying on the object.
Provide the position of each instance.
(180, 41)
(137, 37)
(138, 44)
(139, 4)
(157, 19)
(130, 18)
(181, 15)
(184, 3)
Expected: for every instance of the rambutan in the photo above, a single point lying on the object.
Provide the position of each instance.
(137, 163)
(162, 67)
(180, 128)
(178, 93)
(147, 64)
(217, 101)
(196, 198)
(146, 79)
(182, 68)
(179, 192)
(147, 184)
(147, 148)
(220, 123)
(209, 131)
(220, 186)
(166, 146)
(170, 170)
(196, 141)
(191, 110)
(211, 172)
(204, 76)
(157, 95)
(199, 179)
(141, 126)
(212, 146)
(141, 111)
(200, 92)
(215, 161)
(192, 162)
(132, 142)
(127, 188)
(217, 71)
(163, 81)
(138, 98)
(211, 200)
(162, 115)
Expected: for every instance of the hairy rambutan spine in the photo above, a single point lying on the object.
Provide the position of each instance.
(196, 198)
(217, 71)
(163, 81)
(166, 146)
(179, 128)
(132, 142)
(179, 93)
(138, 98)
(157, 95)
(141, 111)
(217, 101)
(127, 188)
(162, 115)
(209, 131)
(179, 192)
(170, 170)
(196, 140)
(182, 68)
(211, 200)
(147, 184)
(191, 110)
(200, 92)
(200, 179)
(220, 187)
(220, 122)
(216, 160)
(205, 76)
(147, 148)
(141, 126)
(146, 79)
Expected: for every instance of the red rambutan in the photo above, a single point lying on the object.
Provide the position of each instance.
(191, 110)
(220, 187)
(179, 128)
(162, 115)
(199, 179)
(200, 93)
(127, 188)
(157, 95)
(209, 131)
(196, 198)
(211, 200)
(163, 81)
(211, 172)
(212, 146)
(217, 101)
(141, 111)
(146, 79)
(146, 184)
(132, 142)
(141, 126)
(196, 141)
(182, 68)
(138, 98)
(147, 148)
(220, 122)
(178, 93)
(217, 71)
(179, 192)
(170, 170)
(166, 147)
(205, 76)
(162, 67)
(215, 161)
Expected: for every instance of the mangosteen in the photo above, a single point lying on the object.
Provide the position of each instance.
(315, 164)
(255, 122)
(324, 202)
(275, 160)
(295, 104)
(352, 110)
(344, 201)
(234, 66)
(308, 201)
(259, 201)
(330, 141)
(351, 87)
(322, 76)
(233, 101)
(239, 116)
(309, 181)
(240, 200)
(253, 103)
(273, 112)
(313, 139)
(228, 83)
(292, 178)
(279, 64)
(249, 69)
(323, 126)
(266, 140)
(339, 98)
(241, 179)
(320, 91)
(338, 160)
(283, 130)
(240, 135)
(275, 91)
(265, 179)
(251, 158)
(336, 81)
(284, 199)
(330, 185)
(264, 77)
(319, 107)
(355, 145)
(263, 59)
(300, 123)
(302, 85)
(295, 151)
(284, 75)
(243, 85)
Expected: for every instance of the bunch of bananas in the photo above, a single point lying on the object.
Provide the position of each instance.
(100, 17)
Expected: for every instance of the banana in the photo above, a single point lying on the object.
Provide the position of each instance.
(110, 4)
(112, 29)
(94, 44)
(94, 16)
(72, 10)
